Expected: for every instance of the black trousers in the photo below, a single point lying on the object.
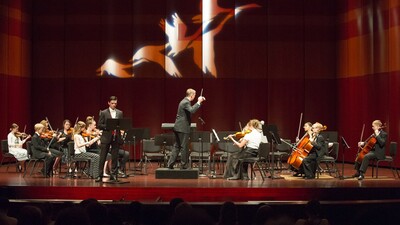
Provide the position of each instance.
(310, 165)
(181, 145)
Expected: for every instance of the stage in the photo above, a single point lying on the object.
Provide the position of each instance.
(146, 188)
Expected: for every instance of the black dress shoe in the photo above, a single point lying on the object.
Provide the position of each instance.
(113, 177)
(356, 174)
(297, 175)
(99, 179)
(171, 167)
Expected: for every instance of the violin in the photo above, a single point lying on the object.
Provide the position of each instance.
(21, 134)
(47, 134)
(70, 131)
(238, 135)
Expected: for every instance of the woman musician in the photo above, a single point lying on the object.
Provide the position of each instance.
(50, 138)
(250, 144)
(308, 133)
(15, 143)
(318, 150)
(377, 151)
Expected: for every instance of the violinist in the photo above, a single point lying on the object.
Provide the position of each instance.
(41, 150)
(65, 135)
(80, 144)
(249, 144)
(15, 145)
(91, 133)
(51, 139)
(377, 151)
(308, 132)
(318, 150)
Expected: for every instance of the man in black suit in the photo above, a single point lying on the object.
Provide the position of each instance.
(41, 150)
(182, 128)
(109, 138)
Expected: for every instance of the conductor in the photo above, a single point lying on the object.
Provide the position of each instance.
(109, 138)
(182, 128)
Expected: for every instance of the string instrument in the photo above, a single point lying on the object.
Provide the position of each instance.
(368, 146)
(301, 150)
(47, 134)
(238, 135)
(21, 134)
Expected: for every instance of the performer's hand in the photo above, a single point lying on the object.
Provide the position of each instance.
(200, 99)
(360, 144)
(376, 132)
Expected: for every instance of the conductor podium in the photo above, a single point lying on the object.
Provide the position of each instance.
(166, 173)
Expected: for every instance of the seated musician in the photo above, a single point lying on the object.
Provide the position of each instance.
(308, 132)
(249, 143)
(15, 143)
(51, 138)
(41, 150)
(64, 137)
(377, 151)
(93, 132)
(317, 151)
(80, 148)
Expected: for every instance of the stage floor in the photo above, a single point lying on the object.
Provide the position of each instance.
(146, 188)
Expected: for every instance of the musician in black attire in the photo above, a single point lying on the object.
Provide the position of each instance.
(377, 151)
(109, 138)
(40, 150)
(182, 128)
(318, 150)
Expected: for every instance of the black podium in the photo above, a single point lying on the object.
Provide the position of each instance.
(116, 125)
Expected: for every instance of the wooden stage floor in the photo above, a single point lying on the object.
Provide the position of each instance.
(146, 188)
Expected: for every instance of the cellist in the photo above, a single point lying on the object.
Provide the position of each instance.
(377, 151)
(318, 150)
(307, 133)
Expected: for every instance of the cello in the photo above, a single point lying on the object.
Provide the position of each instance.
(368, 146)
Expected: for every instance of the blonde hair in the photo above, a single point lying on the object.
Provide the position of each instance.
(78, 126)
(38, 126)
(377, 122)
(190, 92)
(255, 123)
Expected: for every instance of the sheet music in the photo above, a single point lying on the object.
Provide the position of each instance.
(216, 135)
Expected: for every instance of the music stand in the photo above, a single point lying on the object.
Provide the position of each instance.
(117, 125)
(133, 135)
(201, 136)
(271, 132)
(213, 174)
(164, 140)
(345, 146)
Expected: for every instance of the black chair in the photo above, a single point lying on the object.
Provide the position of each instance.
(389, 158)
(32, 159)
(77, 164)
(6, 155)
(200, 152)
(281, 150)
(150, 152)
(329, 160)
(256, 162)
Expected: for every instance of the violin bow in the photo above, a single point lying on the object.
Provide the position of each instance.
(298, 131)
(48, 122)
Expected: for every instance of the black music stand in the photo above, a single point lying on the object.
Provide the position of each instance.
(345, 146)
(117, 125)
(271, 132)
(201, 136)
(133, 135)
(164, 140)
(214, 141)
